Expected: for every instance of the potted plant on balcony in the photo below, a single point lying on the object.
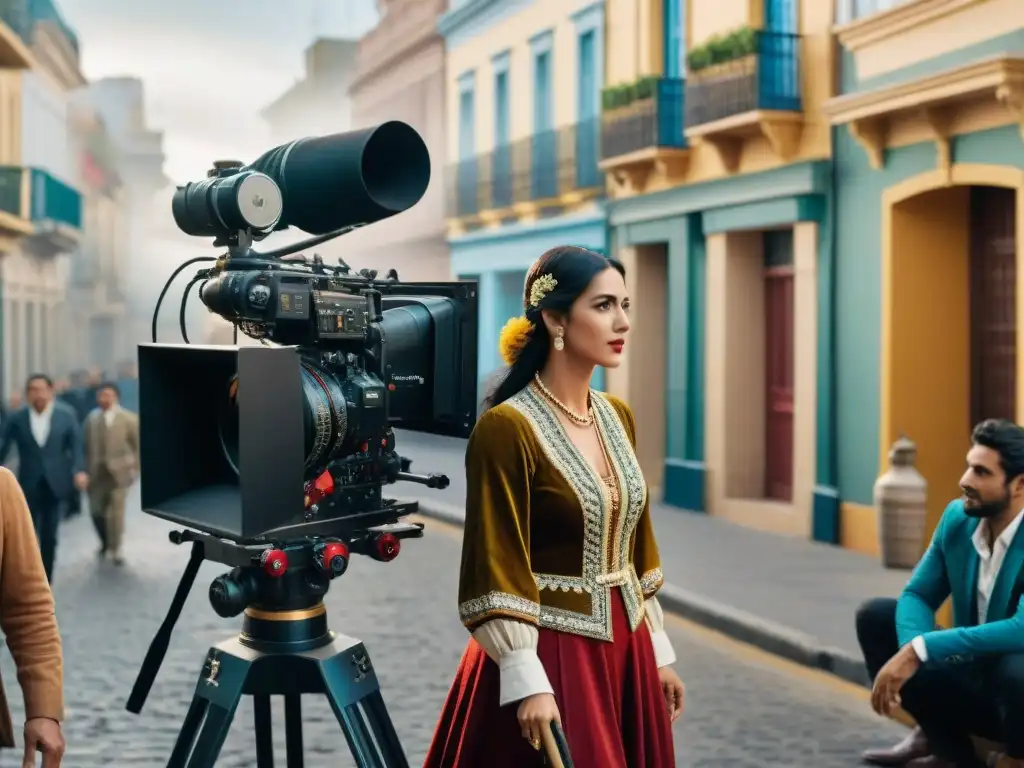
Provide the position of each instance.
(627, 99)
(733, 54)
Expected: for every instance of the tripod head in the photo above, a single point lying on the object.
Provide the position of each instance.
(275, 578)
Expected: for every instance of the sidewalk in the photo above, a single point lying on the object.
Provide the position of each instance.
(791, 597)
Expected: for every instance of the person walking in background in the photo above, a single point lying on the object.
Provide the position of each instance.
(51, 464)
(30, 632)
(112, 461)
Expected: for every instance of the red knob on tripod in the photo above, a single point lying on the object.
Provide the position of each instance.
(333, 558)
(387, 547)
(274, 562)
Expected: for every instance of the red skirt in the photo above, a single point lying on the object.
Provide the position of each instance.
(609, 697)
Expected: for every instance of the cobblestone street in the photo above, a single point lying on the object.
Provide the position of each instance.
(744, 709)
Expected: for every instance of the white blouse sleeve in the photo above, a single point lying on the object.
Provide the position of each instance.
(512, 645)
(664, 654)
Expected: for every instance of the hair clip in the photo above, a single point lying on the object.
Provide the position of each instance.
(541, 287)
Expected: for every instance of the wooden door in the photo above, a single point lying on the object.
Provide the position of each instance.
(778, 302)
(993, 304)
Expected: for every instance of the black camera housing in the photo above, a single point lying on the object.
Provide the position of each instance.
(412, 366)
(186, 477)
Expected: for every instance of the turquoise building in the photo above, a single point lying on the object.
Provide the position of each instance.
(929, 163)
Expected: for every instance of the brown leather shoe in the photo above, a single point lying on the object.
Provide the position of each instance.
(931, 761)
(915, 745)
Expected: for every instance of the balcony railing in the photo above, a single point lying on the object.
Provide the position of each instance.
(541, 167)
(53, 200)
(646, 124)
(767, 79)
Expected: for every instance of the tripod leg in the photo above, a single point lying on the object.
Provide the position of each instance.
(211, 736)
(187, 734)
(264, 731)
(218, 692)
(351, 686)
(293, 729)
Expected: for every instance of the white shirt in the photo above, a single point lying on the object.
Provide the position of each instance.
(109, 414)
(989, 563)
(40, 423)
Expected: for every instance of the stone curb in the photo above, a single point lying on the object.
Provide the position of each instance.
(769, 636)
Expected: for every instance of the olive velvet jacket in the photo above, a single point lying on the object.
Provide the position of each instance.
(543, 546)
(26, 614)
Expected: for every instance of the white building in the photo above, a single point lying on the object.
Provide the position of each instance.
(319, 103)
(144, 215)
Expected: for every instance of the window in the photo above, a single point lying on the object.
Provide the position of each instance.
(780, 16)
(542, 117)
(674, 49)
(467, 137)
(501, 110)
(587, 97)
(851, 10)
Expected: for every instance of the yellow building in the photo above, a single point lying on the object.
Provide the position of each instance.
(523, 117)
(40, 210)
(717, 156)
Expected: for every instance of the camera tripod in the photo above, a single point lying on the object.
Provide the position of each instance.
(285, 649)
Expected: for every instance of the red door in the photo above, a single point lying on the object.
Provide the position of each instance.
(778, 302)
(993, 304)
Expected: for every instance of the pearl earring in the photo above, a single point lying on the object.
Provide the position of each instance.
(559, 343)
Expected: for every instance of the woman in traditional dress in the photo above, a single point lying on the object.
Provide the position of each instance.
(559, 562)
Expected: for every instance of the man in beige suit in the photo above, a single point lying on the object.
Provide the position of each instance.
(112, 461)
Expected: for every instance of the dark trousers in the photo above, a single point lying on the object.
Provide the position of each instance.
(983, 697)
(46, 513)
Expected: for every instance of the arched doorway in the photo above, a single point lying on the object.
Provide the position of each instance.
(951, 354)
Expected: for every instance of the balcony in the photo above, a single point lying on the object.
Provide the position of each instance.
(55, 210)
(19, 19)
(642, 131)
(743, 85)
(542, 173)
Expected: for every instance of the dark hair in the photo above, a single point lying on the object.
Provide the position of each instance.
(39, 377)
(109, 385)
(573, 269)
(1005, 438)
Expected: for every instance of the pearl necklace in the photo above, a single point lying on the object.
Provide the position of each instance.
(575, 418)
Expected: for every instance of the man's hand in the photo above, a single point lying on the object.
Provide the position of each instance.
(885, 695)
(674, 690)
(44, 735)
(81, 481)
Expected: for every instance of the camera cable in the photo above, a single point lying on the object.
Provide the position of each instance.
(167, 285)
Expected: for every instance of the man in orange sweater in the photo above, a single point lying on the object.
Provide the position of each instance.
(30, 628)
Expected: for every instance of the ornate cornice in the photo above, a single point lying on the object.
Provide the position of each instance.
(886, 24)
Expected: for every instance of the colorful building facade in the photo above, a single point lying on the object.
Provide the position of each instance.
(929, 151)
(721, 207)
(523, 96)
(41, 212)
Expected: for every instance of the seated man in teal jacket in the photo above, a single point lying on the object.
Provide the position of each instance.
(968, 679)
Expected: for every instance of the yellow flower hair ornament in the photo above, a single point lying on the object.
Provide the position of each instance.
(514, 336)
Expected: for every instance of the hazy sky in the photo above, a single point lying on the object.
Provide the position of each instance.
(209, 66)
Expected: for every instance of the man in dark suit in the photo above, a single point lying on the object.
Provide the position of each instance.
(51, 463)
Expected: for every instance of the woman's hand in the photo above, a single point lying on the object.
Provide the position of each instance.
(535, 714)
(674, 690)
